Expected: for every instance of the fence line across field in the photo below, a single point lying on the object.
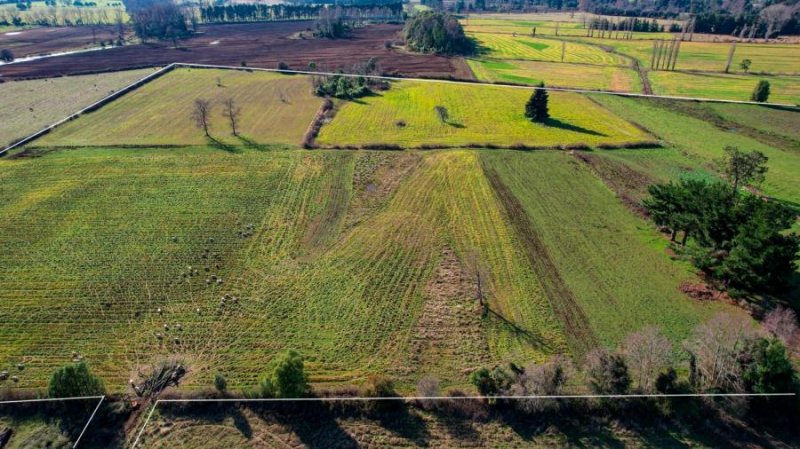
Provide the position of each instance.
(136, 84)
(449, 398)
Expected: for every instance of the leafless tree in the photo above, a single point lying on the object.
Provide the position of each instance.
(782, 323)
(428, 387)
(232, 113)
(202, 115)
(775, 17)
(717, 346)
(647, 353)
(546, 379)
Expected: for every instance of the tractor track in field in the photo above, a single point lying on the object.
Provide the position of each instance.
(581, 337)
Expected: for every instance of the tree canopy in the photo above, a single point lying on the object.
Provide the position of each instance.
(287, 377)
(74, 380)
(435, 32)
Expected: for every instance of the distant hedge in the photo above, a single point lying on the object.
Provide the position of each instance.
(435, 32)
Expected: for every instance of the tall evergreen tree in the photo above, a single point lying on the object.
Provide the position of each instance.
(536, 107)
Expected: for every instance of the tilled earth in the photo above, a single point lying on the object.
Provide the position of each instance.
(258, 45)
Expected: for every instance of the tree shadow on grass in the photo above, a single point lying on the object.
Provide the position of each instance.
(556, 123)
(220, 145)
(252, 144)
(313, 423)
(533, 339)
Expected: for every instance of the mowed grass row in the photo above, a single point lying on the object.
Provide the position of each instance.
(274, 109)
(783, 89)
(543, 28)
(703, 142)
(131, 223)
(29, 106)
(613, 262)
(503, 46)
(478, 114)
(554, 74)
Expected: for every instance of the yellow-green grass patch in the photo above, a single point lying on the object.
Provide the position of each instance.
(501, 46)
(110, 235)
(581, 76)
(478, 114)
(275, 109)
(783, 89)
(29, 106)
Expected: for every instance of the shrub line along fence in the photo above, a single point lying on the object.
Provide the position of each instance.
(96, 105)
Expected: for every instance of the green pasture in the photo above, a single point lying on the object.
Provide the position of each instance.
(783, 89)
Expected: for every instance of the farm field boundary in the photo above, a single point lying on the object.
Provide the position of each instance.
(170, 67)
(445, 398)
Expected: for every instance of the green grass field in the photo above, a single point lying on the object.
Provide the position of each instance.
(581, 76)
(29, 106)
(703, 142)
(783, 89)
(613, 262)
(477, 115)
(276, 109)
(781, 122)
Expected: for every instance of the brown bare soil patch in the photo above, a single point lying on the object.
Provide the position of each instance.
(39, 41)
(259, 45)
(448, 340)
(580, 336)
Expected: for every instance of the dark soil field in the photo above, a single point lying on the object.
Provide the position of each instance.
(260, 45)
(39, 41)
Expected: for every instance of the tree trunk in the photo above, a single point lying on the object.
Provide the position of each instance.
(685, 237)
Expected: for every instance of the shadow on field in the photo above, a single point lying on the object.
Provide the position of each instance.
(556, 123)
(220, 145)
(313, 423)
(252, 144)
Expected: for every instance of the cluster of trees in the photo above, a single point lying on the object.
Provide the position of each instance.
(738, 239)
(348, 86)
(771, 21)
(255, 12)
(725, 354)
(158, 19)
(435, 32)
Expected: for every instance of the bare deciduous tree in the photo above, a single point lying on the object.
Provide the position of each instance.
(546, 379)
(716, 346)
(428, 387)
(202, 115)
(232, 113)
(775, 17)
(647, 353)
(782, 323)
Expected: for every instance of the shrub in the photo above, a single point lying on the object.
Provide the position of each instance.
(287, 377)
(74, 380)
(283, 66)
(490, 383)
(6, 55)
(541, 380)
(428, 387)
(761, 92)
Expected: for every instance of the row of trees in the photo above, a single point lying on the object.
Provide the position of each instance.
(241, 12)
(739, 239)
(725, 355)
